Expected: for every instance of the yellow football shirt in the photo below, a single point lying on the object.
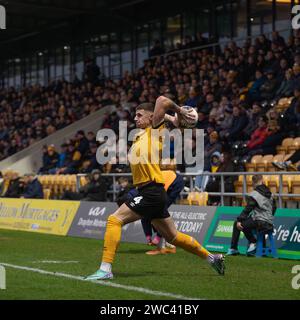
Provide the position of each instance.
(145, 155)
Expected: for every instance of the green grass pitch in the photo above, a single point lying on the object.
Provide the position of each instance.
(178, 274)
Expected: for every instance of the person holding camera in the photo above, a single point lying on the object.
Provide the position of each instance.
(258, 215)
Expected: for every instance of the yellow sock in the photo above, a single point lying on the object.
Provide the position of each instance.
(190, 244)
(111, 239)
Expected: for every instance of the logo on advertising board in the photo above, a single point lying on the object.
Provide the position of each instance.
(286, 232)
(90, 221)
(45, 216)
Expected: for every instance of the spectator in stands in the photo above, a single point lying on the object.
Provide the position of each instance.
(225, 122)
(124, 188)
(274, 138)
(202, 180)
(33, 188)
(194, 97)
(94, 190)
(203, 122)
(15, 187)
(257, 215)
(253, 116)
(290, 114)
(260, 134)
(91, 71)
(50, 159)
(214, 185)
(268, 88)
(82, 143)
(200, 40)
(254, 93)
(72, 161)
(296, 73)
(91, 159)
(210, 148)
(287, 85)
(61, 159)
(157, 49)
(239, 122)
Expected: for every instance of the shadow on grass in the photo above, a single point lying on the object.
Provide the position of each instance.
(132, 251)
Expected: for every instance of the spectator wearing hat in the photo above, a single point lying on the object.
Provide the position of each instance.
(33, 188)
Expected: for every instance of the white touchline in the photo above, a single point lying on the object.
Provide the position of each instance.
(54, 261)
(104, 283)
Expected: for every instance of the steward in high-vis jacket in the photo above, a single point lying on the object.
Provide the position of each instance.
(257, 215)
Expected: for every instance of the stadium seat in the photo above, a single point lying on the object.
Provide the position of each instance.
(276, 158)
(286, 143)
(251, 167)
(197, 198)
(47, 194)
(263, 164)
(294, 146)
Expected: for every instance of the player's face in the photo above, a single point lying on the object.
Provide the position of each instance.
(143, 118)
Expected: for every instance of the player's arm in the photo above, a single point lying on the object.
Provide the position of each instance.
(162, 106)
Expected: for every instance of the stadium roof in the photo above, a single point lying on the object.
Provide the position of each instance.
(36, 24)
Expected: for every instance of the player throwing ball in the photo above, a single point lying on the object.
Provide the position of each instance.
(150, 201)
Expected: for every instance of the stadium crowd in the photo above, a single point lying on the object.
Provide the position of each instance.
(234, 91)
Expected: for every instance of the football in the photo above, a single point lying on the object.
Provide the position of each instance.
(187, 123)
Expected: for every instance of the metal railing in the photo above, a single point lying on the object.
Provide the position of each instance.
(221, 42)
(222, 194)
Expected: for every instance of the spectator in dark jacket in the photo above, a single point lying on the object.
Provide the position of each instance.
(33, 188)
(50, 159)
(239, 122)
(287, 85)
(254, 114)
(194, 97)
(254, 91)
(72, 161)
(268, 88)
(15, 188)
(124, 189)
(82, 143)
(94, 190)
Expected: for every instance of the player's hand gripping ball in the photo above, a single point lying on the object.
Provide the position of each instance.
(188, 118)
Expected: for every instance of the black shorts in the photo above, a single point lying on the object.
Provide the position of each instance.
(150, 201)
